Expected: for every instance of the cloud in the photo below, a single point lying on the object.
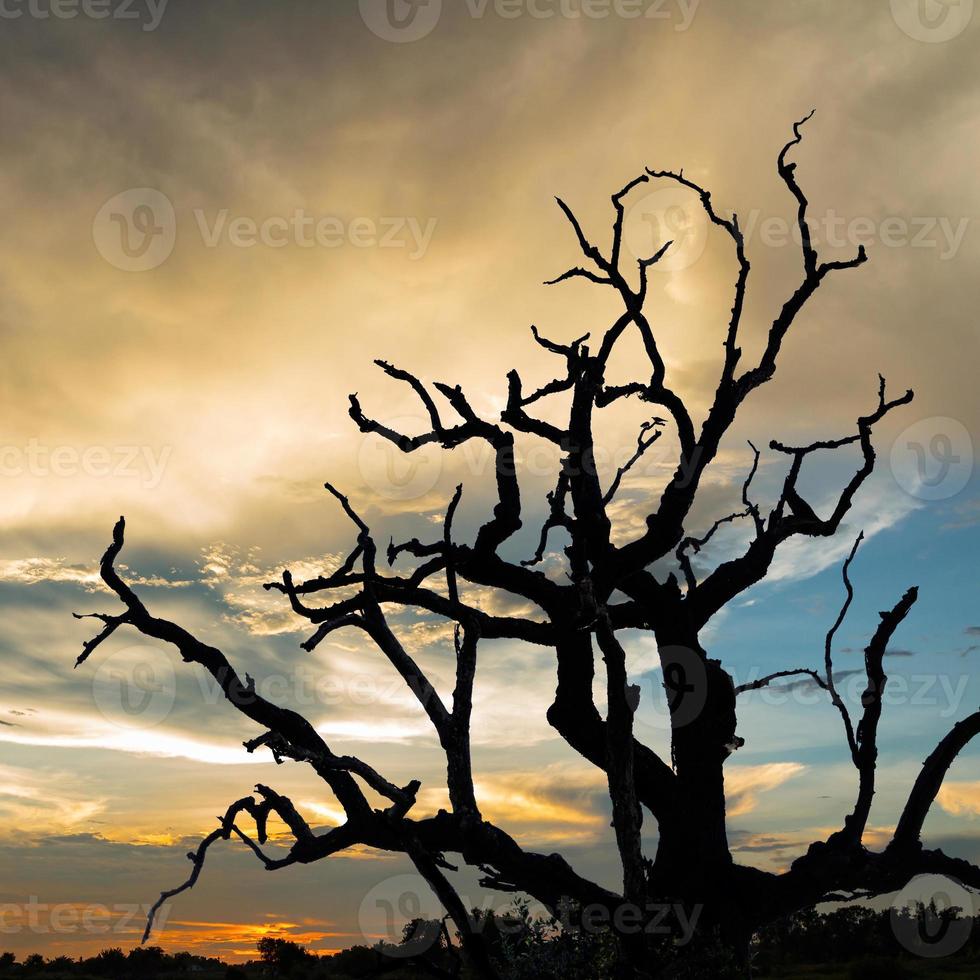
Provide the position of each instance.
(236, 940)
(878, 507)
(960, 798)
(377, 730)
(31, 570)
(559, 804)
(47, 802)
(776, 851)
(83, 731)
(743, 784)
(966, 514)
(808, 683)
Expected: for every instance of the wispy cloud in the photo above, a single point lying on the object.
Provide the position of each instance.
(743, 784)
(47, 802)
(961, 799)
(63, 729)
(879, 506)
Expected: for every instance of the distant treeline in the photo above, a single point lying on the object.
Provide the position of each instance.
(854, 942)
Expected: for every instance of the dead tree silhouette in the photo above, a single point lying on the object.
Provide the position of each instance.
(608, 588)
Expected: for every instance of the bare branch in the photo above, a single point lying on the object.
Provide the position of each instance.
(515, 416)
(696, 544)
(557, 517)
(579, 272)
(294, 729)
(112, 623)
(588, 249)
(447, 540)
(654, 426)
(348, 510)
(788, 173)
(866, 736)
(566, 350)
(259, 812)
(617, 202)
(792, 515)
(730, 226)
(779, 674)
(828, 649)
(417, 387)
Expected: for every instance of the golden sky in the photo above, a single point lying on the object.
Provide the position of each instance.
(337, 196)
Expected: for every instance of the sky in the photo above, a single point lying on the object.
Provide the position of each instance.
(217, 215)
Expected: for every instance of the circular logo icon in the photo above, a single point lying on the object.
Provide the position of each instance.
(135, 687)
(400, 20)
(402, 914)
(667, 214)
(678, 690)
(932, 916)
(933, 458)
(135, 231)
(397, 475)
(932, 21)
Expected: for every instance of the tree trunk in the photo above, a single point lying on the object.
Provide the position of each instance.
(693, 858)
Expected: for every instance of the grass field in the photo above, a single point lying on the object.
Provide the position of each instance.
(883, 969)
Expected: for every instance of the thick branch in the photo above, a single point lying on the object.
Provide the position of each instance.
(627, 816)
(866, 737)
(294, 729)
(930, 780)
